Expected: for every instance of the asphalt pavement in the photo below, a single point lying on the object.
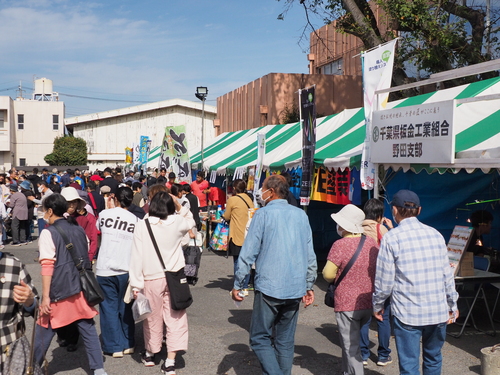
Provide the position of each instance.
(218, 334)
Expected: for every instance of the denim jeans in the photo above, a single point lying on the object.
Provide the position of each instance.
(117, 323)
(41, 225)
(384, 335)
(408, 345)
(278, 316)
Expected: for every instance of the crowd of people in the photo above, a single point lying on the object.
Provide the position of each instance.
(113, 221)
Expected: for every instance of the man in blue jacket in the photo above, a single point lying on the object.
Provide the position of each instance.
(279, 242)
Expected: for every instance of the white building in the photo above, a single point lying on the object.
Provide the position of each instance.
(28, 127)
(108, 133)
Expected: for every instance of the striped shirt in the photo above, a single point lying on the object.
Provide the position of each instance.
(413, 269)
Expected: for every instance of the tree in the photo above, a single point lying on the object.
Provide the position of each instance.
(435, 35)
(290, 114)
(68, 150)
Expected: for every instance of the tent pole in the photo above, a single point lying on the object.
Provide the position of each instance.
(375, 183)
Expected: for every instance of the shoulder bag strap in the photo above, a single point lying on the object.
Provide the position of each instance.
(379, 234)
(351, 262)
(92, 201)
(69, 246)
(150, 230)
(239, 196)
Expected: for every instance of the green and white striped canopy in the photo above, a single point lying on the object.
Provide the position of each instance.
(339, 137)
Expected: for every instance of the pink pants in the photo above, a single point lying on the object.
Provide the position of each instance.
(175, 320)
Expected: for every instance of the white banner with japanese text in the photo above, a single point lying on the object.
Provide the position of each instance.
(377, 75)
(416, 134)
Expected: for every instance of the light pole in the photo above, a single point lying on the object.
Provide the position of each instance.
(201, 93)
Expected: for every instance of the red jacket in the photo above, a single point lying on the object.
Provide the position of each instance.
(87, 222)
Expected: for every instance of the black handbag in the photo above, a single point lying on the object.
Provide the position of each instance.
(178, 286)
(330, 292)
(19, 358)
(90, 287)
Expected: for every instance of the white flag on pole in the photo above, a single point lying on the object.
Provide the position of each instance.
(377, 75)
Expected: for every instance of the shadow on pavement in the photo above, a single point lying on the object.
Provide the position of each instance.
(224, 283)
(241, 318)
(242, 361)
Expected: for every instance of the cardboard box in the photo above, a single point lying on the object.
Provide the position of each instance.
(467, 264)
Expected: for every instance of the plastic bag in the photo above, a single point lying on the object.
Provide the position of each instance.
(219, 239)
(141, 309)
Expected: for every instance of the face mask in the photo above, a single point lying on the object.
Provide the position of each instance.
(40, 189)
(339, 231)
(394, 218)
(264, 201)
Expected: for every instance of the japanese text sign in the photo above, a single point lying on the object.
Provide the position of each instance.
(415, 134)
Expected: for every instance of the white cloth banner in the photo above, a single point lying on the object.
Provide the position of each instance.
(261, 151)
(377, 75)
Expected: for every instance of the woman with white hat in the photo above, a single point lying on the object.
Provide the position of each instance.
(353, 296)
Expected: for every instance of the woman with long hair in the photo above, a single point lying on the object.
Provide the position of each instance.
(62, 299)
(147, 274)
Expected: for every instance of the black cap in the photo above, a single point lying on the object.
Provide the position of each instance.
(171, 175)
(406, 199)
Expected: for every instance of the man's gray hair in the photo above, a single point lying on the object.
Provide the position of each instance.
(278, 184)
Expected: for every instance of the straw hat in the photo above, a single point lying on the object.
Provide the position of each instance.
(350, 218)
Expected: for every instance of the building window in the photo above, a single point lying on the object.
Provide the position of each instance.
(20, 122)
(55, 122)
(22, 162)
(334, 67)
(2, 120)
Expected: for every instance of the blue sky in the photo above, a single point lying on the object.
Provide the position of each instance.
(146, 50)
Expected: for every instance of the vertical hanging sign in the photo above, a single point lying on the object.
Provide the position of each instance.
(174, 153)
(144, 150)
(308, 117)
(128, 155)
(377, 75)
(261, 151)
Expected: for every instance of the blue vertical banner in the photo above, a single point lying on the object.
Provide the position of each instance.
(143, 158)
(308, 117)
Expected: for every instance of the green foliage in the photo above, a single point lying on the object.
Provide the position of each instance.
(435, 35)
(289, 114)
(68, 150)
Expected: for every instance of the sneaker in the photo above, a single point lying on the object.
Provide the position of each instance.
(2, 247)
(170, 370)
(118, 355)
(128, 351)
(384, 362)
(250, 288)
(245, 292)
(148, 361)
(365, 362)
(17, 244)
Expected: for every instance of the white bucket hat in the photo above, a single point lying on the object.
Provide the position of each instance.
(350, 218)
(70, 194)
